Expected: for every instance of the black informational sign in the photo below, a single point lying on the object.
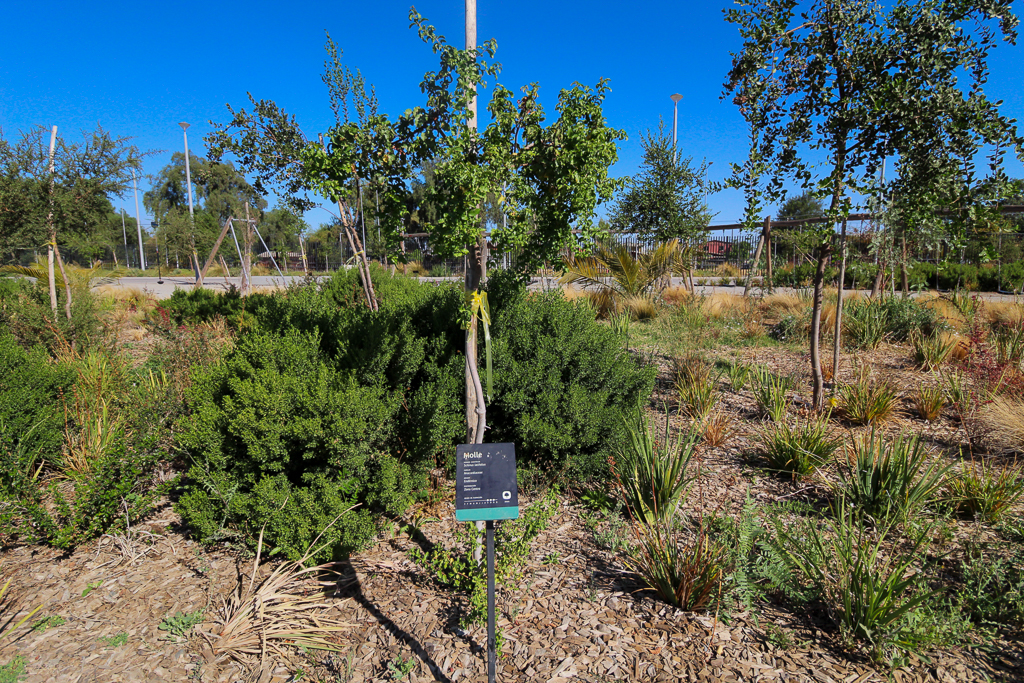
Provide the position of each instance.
(485, 482)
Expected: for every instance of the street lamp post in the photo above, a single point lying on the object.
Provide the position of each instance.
(675, 122)
(191, 212)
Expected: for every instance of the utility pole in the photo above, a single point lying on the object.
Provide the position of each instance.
(675, 123)
(124, 233)
(191, 212)
(138, 222)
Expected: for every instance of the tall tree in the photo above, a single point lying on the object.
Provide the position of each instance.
(854, 84)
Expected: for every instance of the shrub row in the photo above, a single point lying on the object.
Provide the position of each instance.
(323, 404)
(987, 278)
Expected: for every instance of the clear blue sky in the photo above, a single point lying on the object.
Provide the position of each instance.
(140, 68)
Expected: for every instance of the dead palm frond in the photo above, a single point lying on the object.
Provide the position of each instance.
(78, 276)
(286, 608)
(618, 271)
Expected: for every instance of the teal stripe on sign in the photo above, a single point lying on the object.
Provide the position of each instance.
(487, 514)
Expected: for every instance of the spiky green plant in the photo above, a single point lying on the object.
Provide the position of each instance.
(651, 473)
(867, 586)
(982, 489)
(695, 384)
(798, 450)
(771, 392)
(687, 573)
(889, 479)
(865, 324)
(928, 402)
(931, 351)
(866, 401)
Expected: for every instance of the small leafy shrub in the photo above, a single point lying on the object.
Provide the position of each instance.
(985, 490)
(454, 567)
(651, 474)
(905, 317)
(771, 393)
(182, 623)
(866, 401)
(282, 438)
(868, 588)
(32, 391)
(12, 671)
(889, 479)
(790, 327)
(684, 573)
(695, 384)
(992, 590)
(866, 324)
(928, 402)
(798, 450)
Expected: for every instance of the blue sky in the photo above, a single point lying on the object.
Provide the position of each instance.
(140, 68)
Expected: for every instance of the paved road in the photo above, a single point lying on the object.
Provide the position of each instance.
(164, 289)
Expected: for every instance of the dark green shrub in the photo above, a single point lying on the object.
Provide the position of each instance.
(561, 383)
(789, 328)
(32, 388)
(282, 436)
(25, 312)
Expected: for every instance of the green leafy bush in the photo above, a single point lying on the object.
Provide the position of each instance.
(561, 382)
(32, 388)
(992, 589)
(281, 436)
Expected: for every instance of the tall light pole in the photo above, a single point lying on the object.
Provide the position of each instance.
(138, 223)
(675, 122)
(191, 212)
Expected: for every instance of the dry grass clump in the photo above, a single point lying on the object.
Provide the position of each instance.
(641, 307)
(1002, 422)
(695, 384)
(928, 402)
(785, 303)
(676, 294)
(721, 304)
(717, 429)
(1009, 313)
(284, 609)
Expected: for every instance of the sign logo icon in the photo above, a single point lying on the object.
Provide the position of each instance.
(506, 495)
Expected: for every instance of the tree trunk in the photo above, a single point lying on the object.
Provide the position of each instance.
(903, 267)
(817, 399)
(757, 255)
(51, 280)
(52, 231)
(67, 284)
(879, 280)
(839, 304)
(476, 407)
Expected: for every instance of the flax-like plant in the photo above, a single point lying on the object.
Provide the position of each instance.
(685, 573)
(6, 629)
(286, 608)
(928, 402)
(932, 351)
(770, 392)
(866, 401)
(651, 473)
(985, 490)
(889, 479)
(865, 324)
(695, 384)
(799, 450)
(717, 428)
(866, 587)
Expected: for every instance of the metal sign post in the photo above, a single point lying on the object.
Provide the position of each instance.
(486, 490)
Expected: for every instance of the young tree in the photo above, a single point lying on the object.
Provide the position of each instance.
(854, 84)
(46, 196)
(667, 198)
(550, 178)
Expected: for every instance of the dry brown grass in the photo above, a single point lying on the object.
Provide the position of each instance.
(727, 270)
(720, 304)
(641, 307)
(1002, 422)
(784, 303)
(1004, 312)
(717, 429)
(287, 608)
(675, 294)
